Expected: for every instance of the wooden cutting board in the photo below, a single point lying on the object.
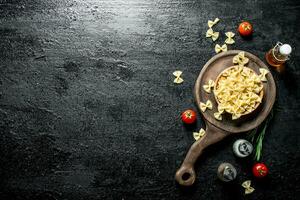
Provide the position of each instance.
(218, 130)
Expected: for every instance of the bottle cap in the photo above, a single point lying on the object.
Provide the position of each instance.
(242, 148)
(226, 172)
(285, 49)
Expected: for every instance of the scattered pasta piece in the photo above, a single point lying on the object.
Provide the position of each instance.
(219, 48)
(207, 88)
(229, 39)
(204, 106)
(214, 35)
(247, 186)
(221, 109)
(263, 73)
(178, 79)
(240, 59)
(212, 23)
(238, 91)
(198, 135)
(218, 116)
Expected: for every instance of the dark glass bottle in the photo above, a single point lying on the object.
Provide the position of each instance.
(278, 55)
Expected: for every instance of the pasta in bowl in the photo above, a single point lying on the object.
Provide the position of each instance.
(238, 90)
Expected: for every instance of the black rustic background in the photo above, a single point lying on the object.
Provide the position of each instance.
(89, 109)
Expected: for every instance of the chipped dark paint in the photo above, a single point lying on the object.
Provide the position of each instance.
(88, 108)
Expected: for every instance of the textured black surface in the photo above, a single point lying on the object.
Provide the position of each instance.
(89, 111)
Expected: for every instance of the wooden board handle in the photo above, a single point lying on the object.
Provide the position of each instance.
(185, 175)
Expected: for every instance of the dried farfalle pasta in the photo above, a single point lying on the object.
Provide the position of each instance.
(240, 59)
(263, 73)
(204, 106)
(238, 90)
(219, 48)
(198, 135)
(214, 35)
(178, 79)
(247, 186)
(229, 39)
(218, 116)
(210, 84)
(211, 23)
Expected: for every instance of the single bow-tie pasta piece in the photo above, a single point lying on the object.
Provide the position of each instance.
(214, 35)
(240, 59)
(178, 79)
(263, 73)
(207, 88)
(247, 186)
(219, 48)
(210, 23)
(229, 39)
(218, 116)
(204, 106)
(198, 135)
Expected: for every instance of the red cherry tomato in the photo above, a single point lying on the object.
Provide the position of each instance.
(260, 170)
(245, 29)
(188, 116)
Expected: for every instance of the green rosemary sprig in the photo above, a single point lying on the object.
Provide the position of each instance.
(258, 145)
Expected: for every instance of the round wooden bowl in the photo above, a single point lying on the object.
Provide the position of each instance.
(261, 94)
